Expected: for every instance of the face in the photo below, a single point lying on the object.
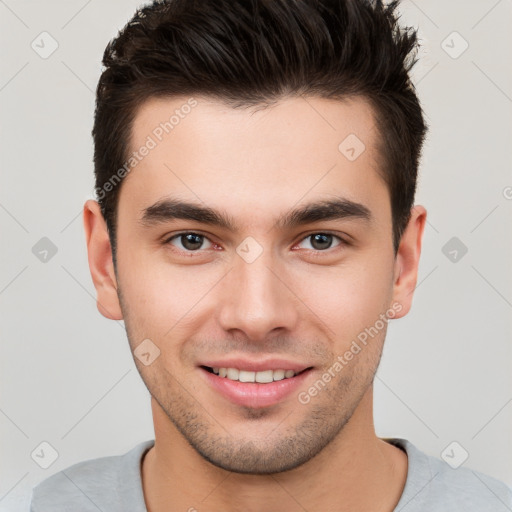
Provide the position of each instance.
(248, 289)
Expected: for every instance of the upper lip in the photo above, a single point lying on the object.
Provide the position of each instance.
(256, 365)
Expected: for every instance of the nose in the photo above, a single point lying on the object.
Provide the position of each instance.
(257, 299)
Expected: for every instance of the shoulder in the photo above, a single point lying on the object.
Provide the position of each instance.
(102, 483)
(432, 484)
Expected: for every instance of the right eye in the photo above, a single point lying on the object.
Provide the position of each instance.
(189, 241)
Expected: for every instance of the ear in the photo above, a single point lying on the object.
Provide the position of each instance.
(101, 264)
(407, 260)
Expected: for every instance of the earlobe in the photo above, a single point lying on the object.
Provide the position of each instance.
(101, 265)
(407, 260)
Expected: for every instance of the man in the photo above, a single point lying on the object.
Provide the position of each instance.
(255, 229)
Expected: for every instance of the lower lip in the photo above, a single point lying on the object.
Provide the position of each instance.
(253, 394)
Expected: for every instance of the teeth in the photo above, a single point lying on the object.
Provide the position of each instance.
(244, 376)
(278, 374)
(262, 377)
(233, 374)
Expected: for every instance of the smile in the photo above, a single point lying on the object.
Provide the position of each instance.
(255, 388)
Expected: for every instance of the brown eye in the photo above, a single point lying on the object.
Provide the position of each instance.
(188, 241)
(321, 241)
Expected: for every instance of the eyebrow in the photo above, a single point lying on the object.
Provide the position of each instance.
(169, 209)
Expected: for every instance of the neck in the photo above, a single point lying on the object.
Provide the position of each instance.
(356, 471)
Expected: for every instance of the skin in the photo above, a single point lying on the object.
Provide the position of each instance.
(295, 301)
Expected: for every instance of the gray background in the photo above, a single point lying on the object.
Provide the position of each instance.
(67, 376)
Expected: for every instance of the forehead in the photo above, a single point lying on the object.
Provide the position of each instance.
(256, 159)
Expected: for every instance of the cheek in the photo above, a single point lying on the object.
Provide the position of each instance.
(160, 298)
(350, 297)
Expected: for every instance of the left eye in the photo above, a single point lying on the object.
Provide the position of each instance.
(321, 241)
(189, 241)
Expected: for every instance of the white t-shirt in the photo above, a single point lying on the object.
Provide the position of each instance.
(114, 484)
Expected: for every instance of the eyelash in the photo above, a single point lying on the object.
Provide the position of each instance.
(316, 252)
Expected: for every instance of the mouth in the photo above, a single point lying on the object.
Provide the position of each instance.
(255, 387)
